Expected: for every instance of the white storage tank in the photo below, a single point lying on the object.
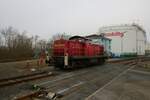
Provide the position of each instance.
(128, 39)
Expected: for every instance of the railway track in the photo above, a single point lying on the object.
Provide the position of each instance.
(23, 78)
(143, 58)
(51, 86)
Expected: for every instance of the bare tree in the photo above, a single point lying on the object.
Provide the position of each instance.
(16, 44)
(6, 32)
(1, 40)
(58, 36)
(42, 44)
(35, 40)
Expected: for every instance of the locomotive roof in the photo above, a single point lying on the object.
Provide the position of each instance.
(79, 37)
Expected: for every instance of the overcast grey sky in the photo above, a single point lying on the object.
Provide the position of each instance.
(47, 17)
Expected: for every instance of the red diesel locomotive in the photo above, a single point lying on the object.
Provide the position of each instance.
(77, 51)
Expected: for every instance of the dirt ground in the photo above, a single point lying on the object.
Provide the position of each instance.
(104, 82)
(132, 85)
(75, 84)
(11, 69)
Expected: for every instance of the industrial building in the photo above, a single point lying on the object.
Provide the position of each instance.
(147, 49)
(100, 39)
(127, 39)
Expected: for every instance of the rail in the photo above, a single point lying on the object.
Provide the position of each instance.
(23, 78)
